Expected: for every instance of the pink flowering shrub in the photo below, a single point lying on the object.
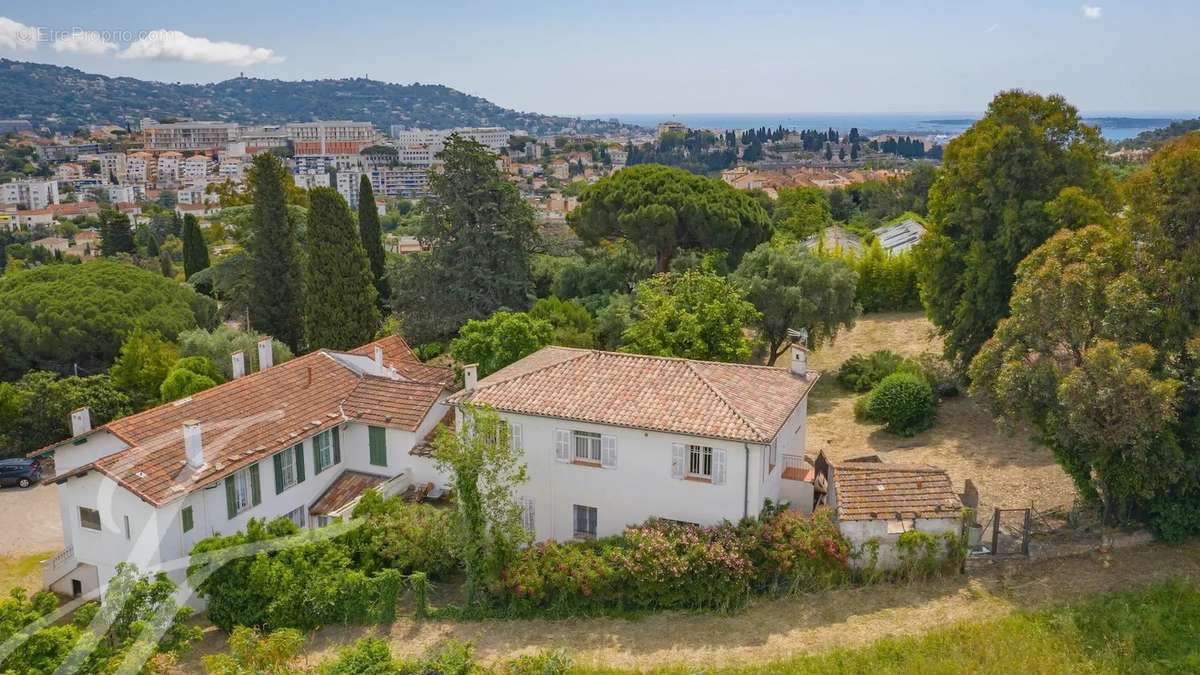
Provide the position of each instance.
(665, 565)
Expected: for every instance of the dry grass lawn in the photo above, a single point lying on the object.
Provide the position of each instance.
(1008, 469)
(22, 570)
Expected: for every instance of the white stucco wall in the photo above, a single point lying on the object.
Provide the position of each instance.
(74, 454)
(859, 532)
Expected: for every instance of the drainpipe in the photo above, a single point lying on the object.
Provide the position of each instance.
(746, 484)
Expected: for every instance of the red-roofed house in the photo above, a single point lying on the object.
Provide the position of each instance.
(613, 439)
(315, 431)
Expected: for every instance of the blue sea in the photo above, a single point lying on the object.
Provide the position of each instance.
(1114, 126)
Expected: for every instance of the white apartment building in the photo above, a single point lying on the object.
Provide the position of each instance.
(196, 167)
(168, 168)
(141, 167)
(324, 163)
(188, 136)
(303, 439)
(613, 439)
(30, 195)
(494, 138)
(233, 169)
(308, 181)
(346, 183)
(112, 165)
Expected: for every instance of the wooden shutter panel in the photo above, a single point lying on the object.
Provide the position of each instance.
(299, 450)
(718, 467)
(678, 460)
(279, 471)
(377, 440)
(187, 519)
(317, 468)
(515, 440)
(255, 486)
(562, 445)
(337, 445)
(608, 451)
(230, 497)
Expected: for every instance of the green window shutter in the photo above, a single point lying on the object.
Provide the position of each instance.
(230, 497)
(255, 488)
(187, 519)
(337, 445)
(317, 468)
(377, 437)
(299, 450)
(279, 471)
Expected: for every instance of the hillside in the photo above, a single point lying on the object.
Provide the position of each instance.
(1156, 137)
(66, 98)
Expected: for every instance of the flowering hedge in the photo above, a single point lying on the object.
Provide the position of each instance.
(666, 565)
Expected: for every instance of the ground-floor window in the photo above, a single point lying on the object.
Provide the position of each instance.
(585, 522)
(297, 516)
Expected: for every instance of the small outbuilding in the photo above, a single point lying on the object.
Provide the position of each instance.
(874, 500)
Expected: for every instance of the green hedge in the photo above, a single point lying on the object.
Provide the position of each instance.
(903, 403)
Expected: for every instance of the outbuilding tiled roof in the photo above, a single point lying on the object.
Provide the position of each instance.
(877, 491)
(343, 490)
(255, 416)
(698, 398)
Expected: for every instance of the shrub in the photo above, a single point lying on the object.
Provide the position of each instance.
(368, 656)
(903, 403)
(794, 554)
(403, 536)
(924, 555)
(862, 372)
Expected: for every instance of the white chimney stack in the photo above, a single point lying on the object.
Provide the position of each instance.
(81, 421)
(239, 364)
(193, 444)
(470, 376)
(379, 360)
(799, 359)
(265, 357)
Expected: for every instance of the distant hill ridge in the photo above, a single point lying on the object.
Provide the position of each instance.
(65, 99)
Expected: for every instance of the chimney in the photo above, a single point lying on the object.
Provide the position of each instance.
(239, 364)
(193, 444)
(265, 357)
(378, 360)
(799, 359)
(81, 421)
(470, 377)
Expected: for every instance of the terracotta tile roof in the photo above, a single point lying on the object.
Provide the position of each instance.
(253, 417)
(877, 491)
(699, 398)
(343, 490)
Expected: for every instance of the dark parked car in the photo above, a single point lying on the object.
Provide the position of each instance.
(19, 472)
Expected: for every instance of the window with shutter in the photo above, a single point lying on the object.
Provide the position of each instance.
(255, 486)
(377, 440)
(240, 491)
(562, 445)
(585, 522)
(587, 446)
(298, 449)
(322, 451)
(515, 440)
(187, 518)
(527, 515)
(700, 462)
(608, 451)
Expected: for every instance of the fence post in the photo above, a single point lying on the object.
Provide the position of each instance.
(996, 532)
(1025, 534)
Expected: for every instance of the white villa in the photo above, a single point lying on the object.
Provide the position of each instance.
(302, 439)
(609, 439)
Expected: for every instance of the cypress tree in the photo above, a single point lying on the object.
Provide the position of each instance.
(369, 232)
(339, 296)
(115, 234)
(164, 264)
(195, 251)
(276, 294)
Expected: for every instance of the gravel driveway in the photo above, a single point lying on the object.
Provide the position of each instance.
(29, 520)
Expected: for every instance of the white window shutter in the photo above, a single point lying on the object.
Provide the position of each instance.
(678, 459)
(562, 445)
(608, 452)
(718, 466)
(527, 515)
(515, 440)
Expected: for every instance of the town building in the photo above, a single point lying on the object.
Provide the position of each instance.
(168, 167)
(330, 137)
(141, 167)
(30, 194)
(196, 167)
(195, 136)
(302, 439)
(495, 138)
(612, 439)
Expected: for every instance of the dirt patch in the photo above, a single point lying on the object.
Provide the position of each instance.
(1007, 467)
(31, 522)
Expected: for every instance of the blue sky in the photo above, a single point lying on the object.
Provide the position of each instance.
(612, 56)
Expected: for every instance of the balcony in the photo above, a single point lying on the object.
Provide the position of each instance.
(796, 467)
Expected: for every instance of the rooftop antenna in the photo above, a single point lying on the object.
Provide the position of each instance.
(800, 336)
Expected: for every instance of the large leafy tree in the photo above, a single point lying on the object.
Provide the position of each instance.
(792, 288)
(339, 296)
(501, 339)
(573, 324)
(693, 315)
(63, 317)
(142, 365)
(39, 405)
(801, 211)
(480, 233)
(372, 238)
(195, 249)
(662, 210)
(276, 299)
(988, 208)
(219, 344)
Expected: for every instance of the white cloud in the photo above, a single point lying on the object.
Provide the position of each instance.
(1092, 11)
(173, 45)
(16, 36)
(992, 28)
(84, 42)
